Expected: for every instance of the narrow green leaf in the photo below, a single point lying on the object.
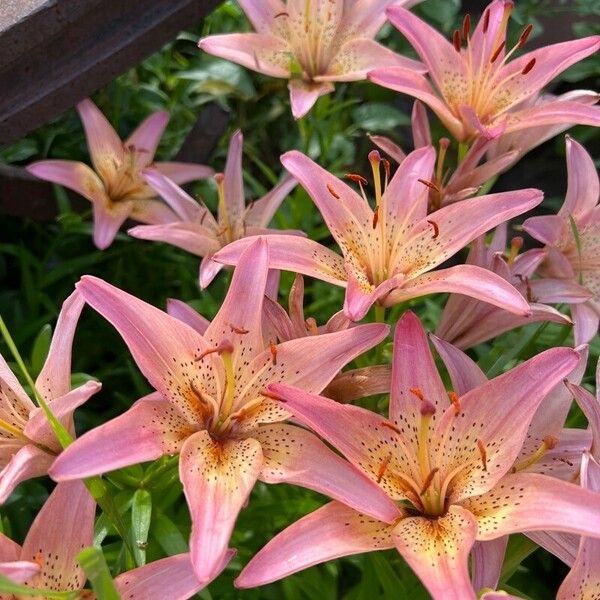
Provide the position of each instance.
(519, 548)
(575, 231)
(167, 534)
(93, 563)
(6, 585)
(141, 515)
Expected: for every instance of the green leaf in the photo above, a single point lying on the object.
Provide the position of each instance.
(166, 533)
(93, 563)
(377, 116)
(518, 549)
(221, 77)
(39, 352)
(6, 585)
(141, 515)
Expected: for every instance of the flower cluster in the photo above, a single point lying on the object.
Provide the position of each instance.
(463, 459)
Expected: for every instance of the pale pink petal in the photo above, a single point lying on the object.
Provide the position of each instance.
(583, 186)
(563, 545)
(360, 295)
(260, 212)
(240, 322)
(152, 211)
(303, 95)
(366, 16)
(107, 220)
(583, 580)
(550, 61)
(233, 183)
(486, 565)
(180, 172)
(529, 502)
(149, 582)
(405, 198)
(278, 322)
(496, 416)
(464, 373)
(263, 13)
(557, 291)
(360, 55)
(437, 550)
(548, 229)
(260, 52)
(359, 383)
(330, 532)
(421, 131)
(363, 437)
(590, 406)
(413, 84)
(62, 528)
(149, 429)
(29, 462)
(163, 347)
(38, 428)
(294, 455)
(553, 113)
(413, 368)
(463, 279)
(389, 147)
(483, 45)
(586, 320)
(19, 571)
(105, 146)
(73, 175)
(453, 232)
(10, 551)
(146, 137)
(54, 379)
(217, 478)
(184, 312)
(288, 253)
(191, 237)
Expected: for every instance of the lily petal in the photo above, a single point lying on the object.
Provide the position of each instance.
(583, 186)
(487, 559)
(180, 172)
(146, 137)
(217, 478)
(184, 312)
(190, 237)
(19, 571)
(29, 462)
(107, 221)
(260, 213)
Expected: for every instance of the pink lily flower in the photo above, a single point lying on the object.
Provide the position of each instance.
(313, 44)
(475, 90)
(469, 175)
(210, 407)
(466, 322)
(115, 186)
(445, 459)
(583, 580)
(62, 528)
(572, 239)
(389, 251)
(196, 230)
(28, 445)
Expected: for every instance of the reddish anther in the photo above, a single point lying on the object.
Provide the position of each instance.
(454, 399)
(238, 330)
(375, 217)
(386, 167)
(483, 454)
(391, 426)
(382, 467)
(273, 349)
(524, 36)
(428, 480)
(486, 20)
(528, 67)
(332, 191)
(497, 52)
(430, 185)
(456, 40)
(356, 178)
(418, 392)
(436, 229)
(467, 26)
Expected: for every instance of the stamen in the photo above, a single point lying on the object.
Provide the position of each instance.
(382, 467)
(548, 443)
(515, 246)
(272, 396)
(456, 40)
(483, 453)
(524, 36)
(387, 170)
(497, 52)
(418, 392)
(281, 14)
(436, 229)
(375, 160)
(444, 145)
(332, 191)
(467, 26)
(224, 346)
(203, 216)
(311, 326)
(528, 290)
(11, 429)
(486, 20)
(375, 216)
(391, 426)
(428, 481)
(356, 178)
(528, 67)
(273, 349)
(430, 185)
(238, 330)
(454, 399)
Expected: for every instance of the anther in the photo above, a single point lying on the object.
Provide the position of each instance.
(482, 453)
(273, 349)
(428, 481)
(311, 326)
(356, 178)
(486, 20)
(332, 191)
(454, 399)
(456, 40)
(528, 290)
(430, 185)
(497, 52)
(528, 67)
(524, 36)
(223, 346)
(382, 467)
(387, 169)
(436, 229)
(515, 247)
(467, 26)
(375, 217)
(391, 426)
(281, 14)
(238, 330)
(418, 392)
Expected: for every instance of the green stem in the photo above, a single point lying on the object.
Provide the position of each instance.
(379, 313)
(487, 186)
(463, 148)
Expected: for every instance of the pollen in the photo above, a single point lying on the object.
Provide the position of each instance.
(528, 67)
(482, 453)
(436, 229)
(238, 330)
(375, 217)
(383, 467)
(454, 399)
(273, 349)
(356, 178)
(332, 191)
(418, 392)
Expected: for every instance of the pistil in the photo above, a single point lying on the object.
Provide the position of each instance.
(223, 215)
(548, 443)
